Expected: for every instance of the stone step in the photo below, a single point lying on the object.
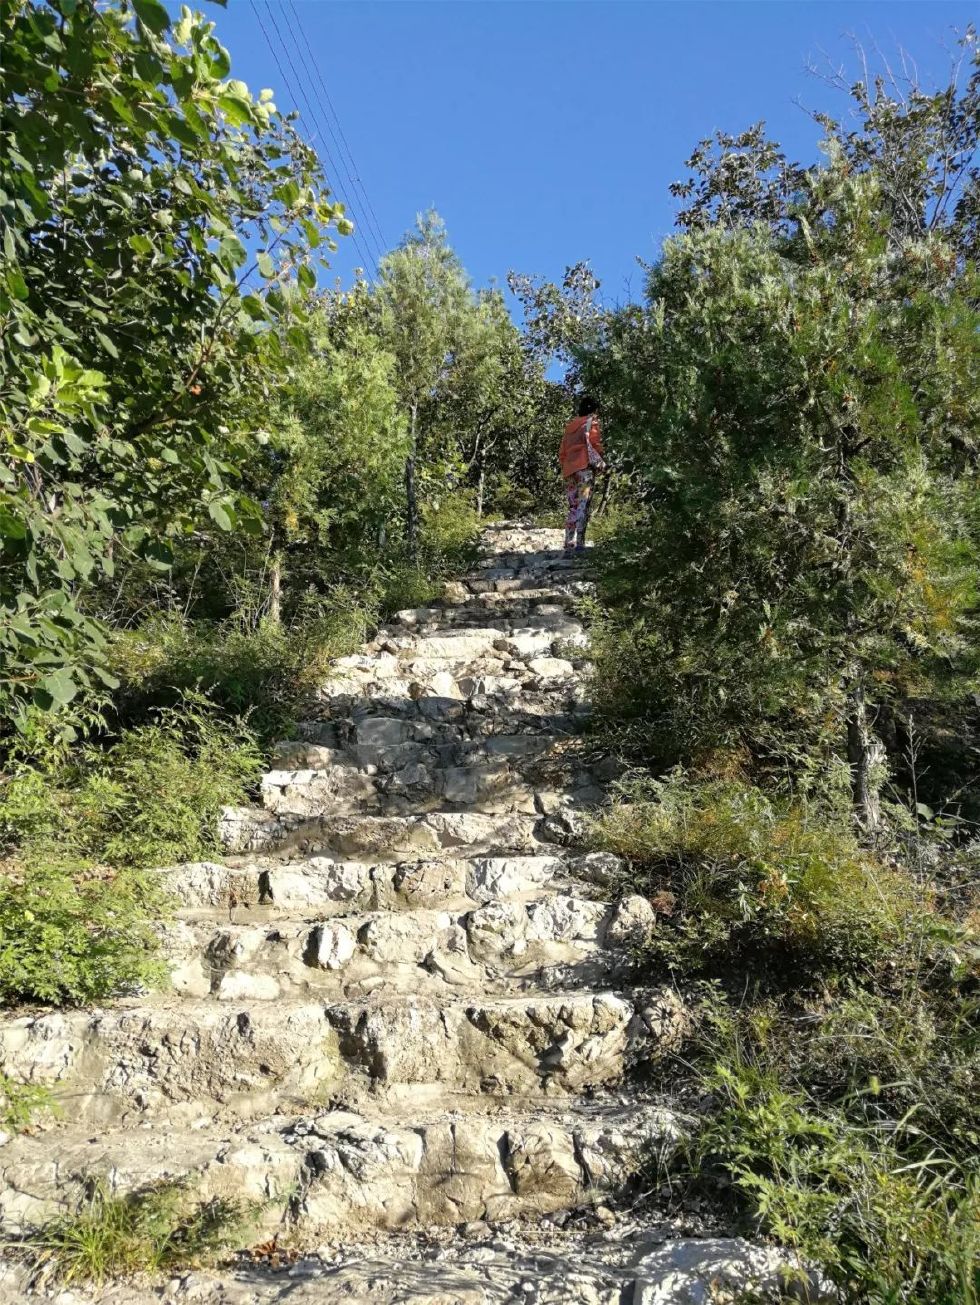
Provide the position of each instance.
(555, 941)
(494, 788)
(188, 1061)
(458, 603)
(387, 744)
(324, 1172)
(473, 627)
(398, 766)
(517, 698)
(482, 647)
(327, 887)
(495, 1262)
(252, 829)
(469, 707)
(409, 666)
(575, 584)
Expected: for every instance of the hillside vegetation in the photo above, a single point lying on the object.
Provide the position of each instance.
(216, 476)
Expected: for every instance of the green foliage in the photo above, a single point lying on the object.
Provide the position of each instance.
(151, 798)
(72, 929)
(840, 1165)
(752, 882)
(803, 556)
(135, 175)
(70, 934)
(450, 529)
(331, 473)
(267, 673)
(832, 1045)
(20, 1103)
(160, 1229)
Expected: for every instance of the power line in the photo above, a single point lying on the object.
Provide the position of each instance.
(365, 259)
(365, 229)
(356, 175)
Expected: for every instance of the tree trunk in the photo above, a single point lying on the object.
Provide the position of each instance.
(481, 481)
(411, 531)
(275, 590)
(865, 754)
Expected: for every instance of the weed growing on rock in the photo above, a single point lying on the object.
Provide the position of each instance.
(162, 1228)
(21, 1103)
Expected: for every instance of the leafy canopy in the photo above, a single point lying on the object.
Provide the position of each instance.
(136, 178)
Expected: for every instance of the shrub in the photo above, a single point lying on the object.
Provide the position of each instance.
(449, 535)
(267, 672)
(886, 1227)
(71, 934)
(71, 928)
(747, 879)
(162, 1228)
(151, 798)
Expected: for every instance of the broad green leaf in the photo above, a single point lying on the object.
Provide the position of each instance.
(153, 14)
(61, 686)
(159, 554)
(221, 515)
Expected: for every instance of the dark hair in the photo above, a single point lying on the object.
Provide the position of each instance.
(587, 406)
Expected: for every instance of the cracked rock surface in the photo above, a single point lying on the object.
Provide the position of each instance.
(401, 1016)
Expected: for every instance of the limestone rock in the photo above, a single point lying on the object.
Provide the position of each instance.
(332, 945)
(702, 1272)
(631, 922)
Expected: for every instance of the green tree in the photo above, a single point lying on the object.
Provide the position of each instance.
(919, 142)
(423, 296)
(802, 413)
(489, 399)
(136, 176)
(331, 473)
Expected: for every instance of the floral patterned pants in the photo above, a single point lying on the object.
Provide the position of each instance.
(578, 489)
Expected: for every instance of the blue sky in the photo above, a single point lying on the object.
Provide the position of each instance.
(546, 131)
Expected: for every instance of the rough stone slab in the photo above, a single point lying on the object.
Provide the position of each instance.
(331, 1170)
(393, 951)
(394, 838)
(698, 1271)
(198, 1059)
(323, 885)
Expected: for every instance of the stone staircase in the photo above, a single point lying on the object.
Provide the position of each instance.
(401, 1003)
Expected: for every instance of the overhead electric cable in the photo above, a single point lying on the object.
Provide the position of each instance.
(366, 259)
(367, 234)
(379, 234)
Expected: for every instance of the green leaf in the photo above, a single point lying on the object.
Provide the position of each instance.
(16, 284)
(307, 277)
(158, 553)
(11, 527)
(107, 344)
(221, 515)
(60, 686)
(153, 14)
(265, 265)
(237, 111)
(255, 307)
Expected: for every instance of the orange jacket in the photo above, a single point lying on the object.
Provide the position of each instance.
(576, 446)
